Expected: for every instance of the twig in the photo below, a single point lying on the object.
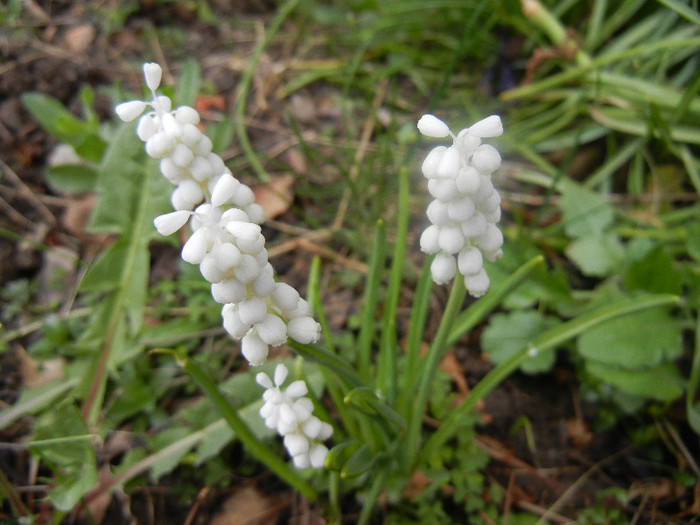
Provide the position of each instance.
(576, 485)
(27, 193)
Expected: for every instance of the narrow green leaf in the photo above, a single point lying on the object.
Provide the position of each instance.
(56, 119)
(682, 9)
(478, 311)
(369, 305)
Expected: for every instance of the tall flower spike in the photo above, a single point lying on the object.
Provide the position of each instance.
(466, 206)
(228, 245)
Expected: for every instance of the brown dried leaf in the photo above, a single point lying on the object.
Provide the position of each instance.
(276, 196)
(79, 38)
(578, 432)
(660, 488)
(37, 373)
(247, 506)
(77, 214)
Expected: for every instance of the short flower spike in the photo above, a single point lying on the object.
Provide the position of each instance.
(466, 206)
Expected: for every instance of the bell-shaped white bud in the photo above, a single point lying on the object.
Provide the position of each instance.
(187, 115)
(153, 73)
(460, 210)
(171, 222)
(486, 158)
(285, 298)
(468, 180)
(477, 284)
(304, 330)
(443, 268)
(431, 126)
(147, 127)
(492, 239)
(252, 310)
(196, 247)
(272, 330)
(449, 164)
(254, 349)
(296, 444)
(429, 239)
(228, 291)
(224, 189)
(432, 161)
(128, 111)
(437, 213)
(488, 127)
(470, 261)
(451, 239)
(317, 455)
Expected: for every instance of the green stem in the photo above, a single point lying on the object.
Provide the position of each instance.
(369, 308)
(244, 87)
(251, 443)
(430, 364)
(323, 357)
(414, 339)
(372, 496)
(386, 364)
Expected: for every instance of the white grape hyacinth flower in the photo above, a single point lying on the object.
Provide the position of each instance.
(466, 206)
(290, 412)
(226, 242)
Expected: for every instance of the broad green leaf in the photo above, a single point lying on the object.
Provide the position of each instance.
(167, 462)
(584, 213)
(643, 340)
(189, 84)
(71, 178)
(598, 254)
(62, 441)
(32, 400)
(508, 333)
(56, 119)
(131, 190)
(653, 273)
(123, 267)
(662, 382)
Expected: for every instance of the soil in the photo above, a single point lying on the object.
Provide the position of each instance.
(542, 437)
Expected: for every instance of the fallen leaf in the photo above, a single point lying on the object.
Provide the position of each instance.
(77, 214)
(37, 373)
(660, 488)
(296, 161)
(247, 506)
(79, 38)
(276, 196)
(416, 485)
(578, 432)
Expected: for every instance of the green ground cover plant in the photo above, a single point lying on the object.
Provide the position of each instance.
(598, 266)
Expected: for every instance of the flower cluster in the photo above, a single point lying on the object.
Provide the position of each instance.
(291, 414)
(466, 206)
(228, 245)
(227, 241)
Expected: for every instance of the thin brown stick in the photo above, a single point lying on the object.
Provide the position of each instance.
(27, 193)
